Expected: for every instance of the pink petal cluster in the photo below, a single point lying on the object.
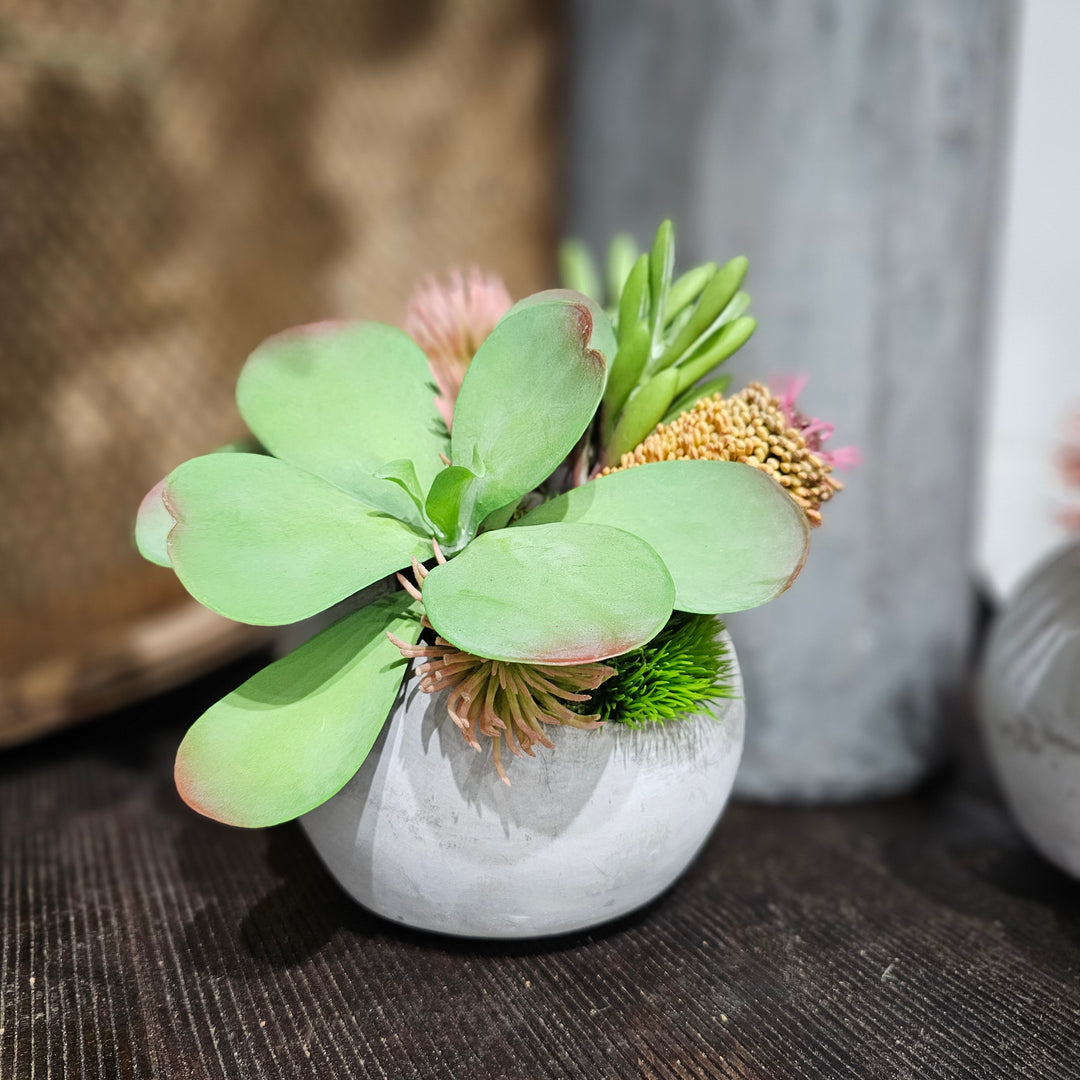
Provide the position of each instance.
(814, 431)
(450, 321)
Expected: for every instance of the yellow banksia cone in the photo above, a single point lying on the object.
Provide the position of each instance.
(754, 427)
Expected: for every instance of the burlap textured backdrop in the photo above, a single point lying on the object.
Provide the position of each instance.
(176, 182)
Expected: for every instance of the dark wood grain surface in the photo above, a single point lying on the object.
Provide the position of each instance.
(912, 938)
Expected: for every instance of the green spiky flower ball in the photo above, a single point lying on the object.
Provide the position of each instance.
(670, 678)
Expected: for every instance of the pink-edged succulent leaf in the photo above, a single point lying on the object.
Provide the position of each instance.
(729, 535)
(152, 525)
(342, 400)
(153, 521)
(295, 733)
(531, 390)
(261, 541)
(555, 594)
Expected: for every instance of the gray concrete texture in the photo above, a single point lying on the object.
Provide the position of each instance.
(853, 151)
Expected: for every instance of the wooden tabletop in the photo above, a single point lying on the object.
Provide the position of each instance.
(913, 938)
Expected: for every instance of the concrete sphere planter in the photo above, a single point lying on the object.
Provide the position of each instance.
(1029, 707)
(426, 835)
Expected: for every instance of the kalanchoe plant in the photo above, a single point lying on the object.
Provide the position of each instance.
(360, 478)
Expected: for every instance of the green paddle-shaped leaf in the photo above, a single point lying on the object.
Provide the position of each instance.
(294, 734)
(730, 536)
(554, 594)
(342, 400)
(153, 522)
(261, 541)
(528, 395)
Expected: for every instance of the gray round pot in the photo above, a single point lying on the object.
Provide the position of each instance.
(1029, 707)
(426, 835)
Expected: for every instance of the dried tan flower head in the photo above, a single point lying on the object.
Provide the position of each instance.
(497, 699)
(753, 427)
(450, 322)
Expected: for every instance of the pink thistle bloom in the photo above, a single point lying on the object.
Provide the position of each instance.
(813, 430)
(449, 322)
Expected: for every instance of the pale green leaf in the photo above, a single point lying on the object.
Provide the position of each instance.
(554, 594)
(644, 410)
(718, 294)
(686, 289)
(661, 266)
(153, 521)
(295, 733)
(529, 393)
(577, 269)
(730, 536)
(622, 253)
(263, 542)
(342, 400)
(634, 299)
(152, 525)
(451, 505)
(623, 376)
(731, 338)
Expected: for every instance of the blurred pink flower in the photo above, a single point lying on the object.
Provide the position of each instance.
(1069, 462)
(787, 389)
(449, 322)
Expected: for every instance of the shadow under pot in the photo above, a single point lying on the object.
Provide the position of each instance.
(425, 834)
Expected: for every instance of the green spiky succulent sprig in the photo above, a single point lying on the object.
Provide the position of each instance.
(672, 333)
(671, 677)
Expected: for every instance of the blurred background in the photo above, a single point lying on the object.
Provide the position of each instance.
(177, 182)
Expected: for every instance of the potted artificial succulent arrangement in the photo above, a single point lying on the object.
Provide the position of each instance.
(535, 725)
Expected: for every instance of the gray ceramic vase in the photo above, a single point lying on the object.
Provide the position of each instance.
(1029, 707)
(426, 835)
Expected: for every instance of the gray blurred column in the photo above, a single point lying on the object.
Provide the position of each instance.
(852, 149)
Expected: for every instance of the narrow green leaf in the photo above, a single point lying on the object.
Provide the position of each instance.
(730, 536)
(529, 393)
(294, 734)
(718, 293)
(661, 266)
(634, 300)
(686, 289)
(739, 303)
(263, 542)
(577, 269)
(642, 413)
(343, 399)
(621, 256)
(687, 400)
(628, 365)
(730, 339)
(556, 594)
